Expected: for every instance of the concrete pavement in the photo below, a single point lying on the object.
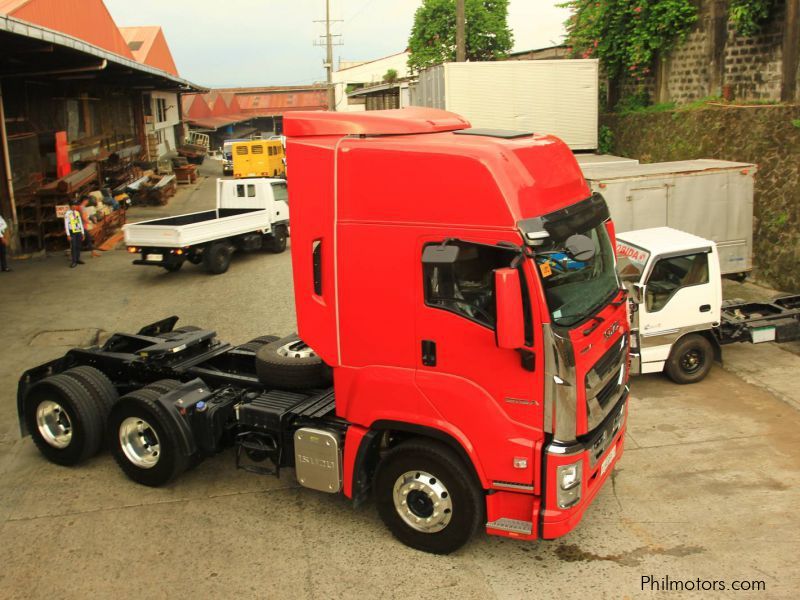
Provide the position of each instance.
(707, 486)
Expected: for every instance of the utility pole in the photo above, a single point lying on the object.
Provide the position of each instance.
(327, 41)
(461, 45)
(329, 56)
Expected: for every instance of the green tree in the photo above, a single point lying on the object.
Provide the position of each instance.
(627, 35)
(433, 36)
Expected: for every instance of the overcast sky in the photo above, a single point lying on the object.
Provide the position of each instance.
(223, 43)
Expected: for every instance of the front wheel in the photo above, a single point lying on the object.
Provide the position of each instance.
(427, 497)
(690, 359)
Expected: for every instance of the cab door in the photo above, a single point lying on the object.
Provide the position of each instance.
(490, 396)
(678, 298)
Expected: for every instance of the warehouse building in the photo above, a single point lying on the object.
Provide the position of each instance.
(78, 98)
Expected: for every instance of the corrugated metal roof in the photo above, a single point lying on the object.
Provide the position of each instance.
(90, 22)
(149, 46)
(12, 26)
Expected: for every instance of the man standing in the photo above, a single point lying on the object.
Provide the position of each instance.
(3, 244)
(73, 223)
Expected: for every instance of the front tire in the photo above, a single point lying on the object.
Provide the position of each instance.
(690, 359)
(427, 497)
(144, 440)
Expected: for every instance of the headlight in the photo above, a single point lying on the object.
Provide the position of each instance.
(568, 478)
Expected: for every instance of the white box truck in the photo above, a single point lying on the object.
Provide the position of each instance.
(712, 199)
(543, 96)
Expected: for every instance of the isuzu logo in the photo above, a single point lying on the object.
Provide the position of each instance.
(611, 330)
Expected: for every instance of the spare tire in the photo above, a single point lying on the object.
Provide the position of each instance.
(290, 364)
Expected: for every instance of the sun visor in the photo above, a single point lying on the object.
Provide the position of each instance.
(401, 121)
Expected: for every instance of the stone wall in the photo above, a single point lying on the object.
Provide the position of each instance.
(714, 60)
(764, 135)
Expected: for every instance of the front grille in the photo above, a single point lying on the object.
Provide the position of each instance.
(609, 390)
(609, 360)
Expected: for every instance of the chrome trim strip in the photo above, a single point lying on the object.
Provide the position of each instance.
(512, 486)
(560, 411)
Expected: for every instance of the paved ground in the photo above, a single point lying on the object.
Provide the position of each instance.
(707, 488)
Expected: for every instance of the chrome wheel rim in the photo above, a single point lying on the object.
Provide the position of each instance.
(54, 424)
(296, 349)
(422, 501)
(140, 443)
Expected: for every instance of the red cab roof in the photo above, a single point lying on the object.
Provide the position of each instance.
(383, 122)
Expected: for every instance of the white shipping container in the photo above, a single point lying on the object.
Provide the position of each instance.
(712, 199)
(543, 96)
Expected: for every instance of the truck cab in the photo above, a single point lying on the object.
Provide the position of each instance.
(676, 289)
(471, 303)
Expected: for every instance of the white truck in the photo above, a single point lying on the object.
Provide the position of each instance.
(251, 214)
(679, 321)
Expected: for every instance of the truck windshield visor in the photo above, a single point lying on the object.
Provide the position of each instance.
(631, 261)
(577, 286)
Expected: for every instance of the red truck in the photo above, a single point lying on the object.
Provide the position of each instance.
(462, 352)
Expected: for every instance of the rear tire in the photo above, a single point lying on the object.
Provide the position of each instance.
(278, 241)
(690, 359)
(427, 497)
(217, 257)
(144, 440)
(64, 419)
(289, 364)
(174, 267)
(100, 386)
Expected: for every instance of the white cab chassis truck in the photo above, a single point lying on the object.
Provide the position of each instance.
(679, 321)
(251, 214)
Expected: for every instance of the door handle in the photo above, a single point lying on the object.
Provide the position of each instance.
(705, 308)
(429, 353)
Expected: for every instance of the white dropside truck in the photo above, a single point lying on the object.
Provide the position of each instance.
(251, 214)
(679, 321)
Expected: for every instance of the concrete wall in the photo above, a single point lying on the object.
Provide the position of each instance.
(764, 135)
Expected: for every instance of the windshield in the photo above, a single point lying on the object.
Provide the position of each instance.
(575, 289)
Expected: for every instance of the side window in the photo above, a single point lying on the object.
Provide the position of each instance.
(240, 190)
(671, 274)
(241, 150)
(251, 190)
(258, 149)
(466, 288)
(280, 192)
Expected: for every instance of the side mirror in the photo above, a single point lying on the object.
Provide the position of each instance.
(636, 293)
(510, 328)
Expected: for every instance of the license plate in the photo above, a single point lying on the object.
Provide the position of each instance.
(154, 257)
(608, 460)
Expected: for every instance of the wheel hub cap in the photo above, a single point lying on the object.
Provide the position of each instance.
(54, 424)
(422, 501)
(139, 442)
(296, 349)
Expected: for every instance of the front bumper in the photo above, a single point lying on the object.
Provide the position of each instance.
(592, 452)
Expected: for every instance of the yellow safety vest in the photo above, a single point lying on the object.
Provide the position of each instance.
(74, 222)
